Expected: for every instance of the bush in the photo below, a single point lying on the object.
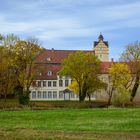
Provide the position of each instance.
(121, 97)
(24, 98)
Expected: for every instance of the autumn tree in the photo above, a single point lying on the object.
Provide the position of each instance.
(131, 55)
(7, 77)
(17, 69)
(81, 67)
(90, 86)
(26, 51)
(119, 78)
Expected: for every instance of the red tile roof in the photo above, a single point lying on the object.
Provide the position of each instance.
(57, 56)
(51, 60)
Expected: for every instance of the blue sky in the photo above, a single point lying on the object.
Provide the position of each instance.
(73, 24)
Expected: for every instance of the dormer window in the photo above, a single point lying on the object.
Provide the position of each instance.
(49, 73)
(48, 59)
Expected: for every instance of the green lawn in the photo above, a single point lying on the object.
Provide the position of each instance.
(78, 124)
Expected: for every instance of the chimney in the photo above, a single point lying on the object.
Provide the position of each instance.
(112, 59)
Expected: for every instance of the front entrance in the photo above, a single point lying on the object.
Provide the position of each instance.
(66, 94)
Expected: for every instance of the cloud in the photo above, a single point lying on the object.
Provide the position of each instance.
(71, 22)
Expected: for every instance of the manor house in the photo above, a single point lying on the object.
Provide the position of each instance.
(50, 86)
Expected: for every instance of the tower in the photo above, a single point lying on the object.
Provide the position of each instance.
(101, 48)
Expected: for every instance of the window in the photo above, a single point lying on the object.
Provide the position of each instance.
(54, 83)
(49, 73)
(39, 94)
(54, 94)
(44, 94)
(77, 96)
(60, 83)
(48, 59)
(66, 83)
(39, 83)
(72, 95)
(44, 83)
(100, 56)
(49, 83)
(33, 95)
(49, 94)
(60, 94)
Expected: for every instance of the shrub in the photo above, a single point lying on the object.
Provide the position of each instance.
(121, 97)
(24, 98)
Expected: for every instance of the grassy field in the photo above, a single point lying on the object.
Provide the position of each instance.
(71, 124)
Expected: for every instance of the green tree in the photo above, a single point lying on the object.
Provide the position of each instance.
(81, 67)
(132, 56)
(120, 76)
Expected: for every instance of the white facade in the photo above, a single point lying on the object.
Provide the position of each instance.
(52, 90)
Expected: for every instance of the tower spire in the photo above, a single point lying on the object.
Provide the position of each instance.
(101, 37)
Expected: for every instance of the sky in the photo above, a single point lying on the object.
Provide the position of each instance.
(73, 24)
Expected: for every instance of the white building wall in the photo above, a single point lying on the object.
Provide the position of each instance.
(51, 92)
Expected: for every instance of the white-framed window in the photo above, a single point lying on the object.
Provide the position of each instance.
(49, 73)
(49, 94)
(66, 83)
(60, 83)
(77, 96)
(39, 83)
(54, 83)
(54, 94)
(72, 95)
(44, 83)
(61, 95)
(48, 59)
(44, 94)
(100, 56)
(49, 83)
(33, 94)
(39, 94)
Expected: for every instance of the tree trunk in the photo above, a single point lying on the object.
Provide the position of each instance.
(134, 90)
(110, 96)
(89, 97)
(5, 97)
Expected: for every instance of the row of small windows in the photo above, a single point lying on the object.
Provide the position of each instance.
(53, 83)
(50, 95)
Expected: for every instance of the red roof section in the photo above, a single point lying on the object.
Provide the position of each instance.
(51, 60)
(57, 56)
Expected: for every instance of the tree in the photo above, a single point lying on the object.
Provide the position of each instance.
(81, 67)
(120, 76)
(26, 52)
(17, 65)
(90, 86)
(131, 55)
(7, 80)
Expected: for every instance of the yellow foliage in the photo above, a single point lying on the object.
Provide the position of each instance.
(120, 74)
(74, 87)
